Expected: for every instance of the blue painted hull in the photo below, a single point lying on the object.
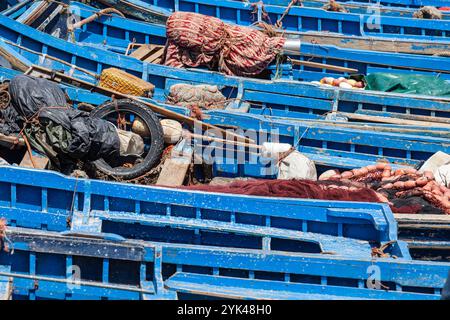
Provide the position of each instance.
(117, 33)
(348, 149)
(294, 99)
(407, 3)
(187, 217)
(41, 267)
(328, 146)
(219, 259)
(305, 19)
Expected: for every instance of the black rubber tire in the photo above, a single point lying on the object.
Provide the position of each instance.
(156, 138)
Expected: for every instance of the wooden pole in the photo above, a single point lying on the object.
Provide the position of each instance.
(322, 66)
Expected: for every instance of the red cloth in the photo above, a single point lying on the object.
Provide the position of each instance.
(195, 39)
(444, 8)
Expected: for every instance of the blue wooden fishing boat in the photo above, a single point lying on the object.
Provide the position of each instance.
(329, 146)
(357, 7)
(300, 18)
(399, 45)
(406, 3)
(116, 34)
(294, 99)
(111, 267)
(220, 256)
(58, 203)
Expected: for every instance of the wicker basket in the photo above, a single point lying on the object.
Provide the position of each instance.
(126, 83)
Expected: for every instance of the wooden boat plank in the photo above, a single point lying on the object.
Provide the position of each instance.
(227, 287)
(402, 272)
(324, 37)
(328, 244)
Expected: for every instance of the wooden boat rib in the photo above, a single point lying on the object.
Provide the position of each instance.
(290, 225)
(374, 43)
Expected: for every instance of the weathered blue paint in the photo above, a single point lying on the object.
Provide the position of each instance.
(118, 32)
(357, 7)
(407, 3)
(47, 200)
(112, 270)
(326, 145)
(294, 99)
(304, 18)
(115, 34)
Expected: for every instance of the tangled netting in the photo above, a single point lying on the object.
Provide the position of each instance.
(306, 189)
(405, 190)
(428, 12)
(203, 96)
(194, 39)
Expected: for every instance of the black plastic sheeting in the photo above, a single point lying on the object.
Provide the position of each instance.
(56, 129)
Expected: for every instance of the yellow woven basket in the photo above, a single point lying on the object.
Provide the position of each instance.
(120, 81)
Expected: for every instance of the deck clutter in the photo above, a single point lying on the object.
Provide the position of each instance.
(196, 149)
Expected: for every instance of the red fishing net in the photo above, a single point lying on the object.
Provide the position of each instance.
(195, 39)
(405, 190)
(306, 189)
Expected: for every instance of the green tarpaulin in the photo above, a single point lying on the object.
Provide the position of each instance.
(408, 83)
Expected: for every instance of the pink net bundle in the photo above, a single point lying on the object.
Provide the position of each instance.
(195, 40)
(407, 190)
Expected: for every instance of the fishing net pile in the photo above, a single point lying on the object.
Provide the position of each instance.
(202, 96)
(306, 189)
(198, 40)
(428, 12)
(333, 6)
(405, 190)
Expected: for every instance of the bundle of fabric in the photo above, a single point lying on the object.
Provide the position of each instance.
(195, 40)
(203, 96)
(406, 190)
(428, 12)
(305, 189)
(62, 133)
